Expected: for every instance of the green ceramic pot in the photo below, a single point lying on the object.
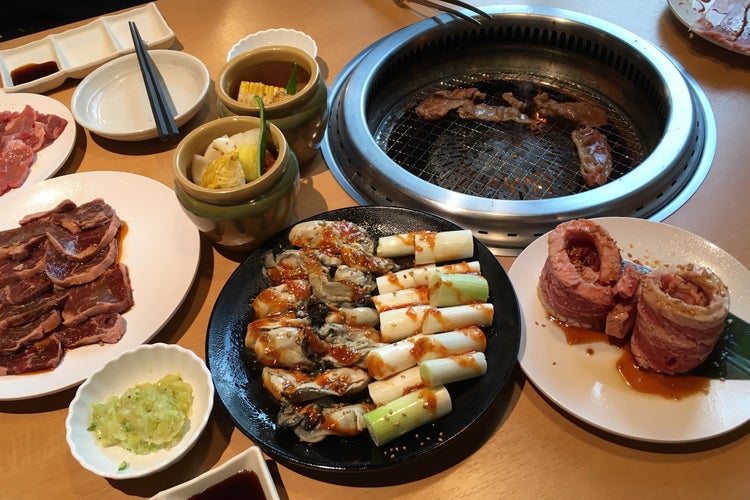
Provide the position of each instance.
(238, 218)
(303, 118)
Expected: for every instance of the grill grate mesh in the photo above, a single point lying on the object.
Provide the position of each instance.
(506, 160)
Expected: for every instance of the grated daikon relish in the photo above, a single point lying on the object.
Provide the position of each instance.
(148, 417)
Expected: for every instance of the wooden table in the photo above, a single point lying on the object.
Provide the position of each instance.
(535, 450)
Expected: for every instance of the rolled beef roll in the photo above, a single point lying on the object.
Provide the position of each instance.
(680, 316)
(583, 264)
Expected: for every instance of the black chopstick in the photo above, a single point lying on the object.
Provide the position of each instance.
(158, 95)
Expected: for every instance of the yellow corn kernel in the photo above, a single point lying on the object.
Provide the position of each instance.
(269, 94)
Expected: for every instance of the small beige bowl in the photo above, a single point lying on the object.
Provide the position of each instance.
(303, 118)
(239, 218)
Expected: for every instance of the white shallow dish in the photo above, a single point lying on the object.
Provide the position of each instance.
(146, 363)
(51, 158)
(112, 100)
(689, 11)
(276, 36)
(589, 386)
(250, 459)
(79, 50)
(161, 249)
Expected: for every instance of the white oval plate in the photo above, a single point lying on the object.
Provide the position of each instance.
(51, 158)
(112, 101)
(161, 249)
(275, 36)
(589, 386)
(250, 459)
(689, 11)
(147, 363)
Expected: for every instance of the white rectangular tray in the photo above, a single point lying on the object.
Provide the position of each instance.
(79, 51)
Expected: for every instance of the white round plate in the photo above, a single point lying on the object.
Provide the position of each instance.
(589, 386)
(147, 363)
(161, 249)
(51, 158)
(112, 101)
(689, 11)
(276, 36)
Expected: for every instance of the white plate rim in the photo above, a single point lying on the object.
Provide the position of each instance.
(49, 160)
(277, 36)
(588, 386)
(89, 118)
(687, 13)
(161, 276)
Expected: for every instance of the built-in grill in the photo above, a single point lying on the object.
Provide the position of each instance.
(509, 182)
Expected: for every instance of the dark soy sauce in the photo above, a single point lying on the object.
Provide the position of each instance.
(33, 71)
(244, 484)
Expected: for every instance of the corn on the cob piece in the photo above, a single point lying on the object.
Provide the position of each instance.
(268, 93)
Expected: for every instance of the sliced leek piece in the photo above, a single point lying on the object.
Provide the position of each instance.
(407, 413)
(443, 319)
(428, 246)
(389, 359)
(441, 371)
(401, 298)
(442, 246)
(386, 390)
(397, 324)
(420, 275)
(457, 289)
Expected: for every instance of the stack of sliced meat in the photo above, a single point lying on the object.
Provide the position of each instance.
(681, 316)
(584, 283)
(676, 314)
(61, 285)
(22, 135)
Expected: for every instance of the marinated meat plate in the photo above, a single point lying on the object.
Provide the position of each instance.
(22, 135)
(61, 285)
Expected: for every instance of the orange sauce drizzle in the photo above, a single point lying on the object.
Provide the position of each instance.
(645, 381)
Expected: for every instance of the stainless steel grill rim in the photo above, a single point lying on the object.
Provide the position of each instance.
(368, 174)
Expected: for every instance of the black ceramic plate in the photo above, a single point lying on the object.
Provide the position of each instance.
(357, 460)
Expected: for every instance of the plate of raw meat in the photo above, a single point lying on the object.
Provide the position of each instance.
(37, 135)
(722, 22)
(156, 243)
(585, 377)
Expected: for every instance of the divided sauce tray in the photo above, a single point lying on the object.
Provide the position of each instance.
(80, 50)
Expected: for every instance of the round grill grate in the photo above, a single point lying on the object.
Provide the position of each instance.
(506, 160)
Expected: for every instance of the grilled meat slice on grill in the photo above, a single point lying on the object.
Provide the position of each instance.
(488, 113)
(594, 154)
(442, 102)
(580, 112)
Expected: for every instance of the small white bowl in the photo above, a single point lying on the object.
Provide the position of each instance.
(250, 459)
(277, 36)
(112, 101)
(146, 363)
